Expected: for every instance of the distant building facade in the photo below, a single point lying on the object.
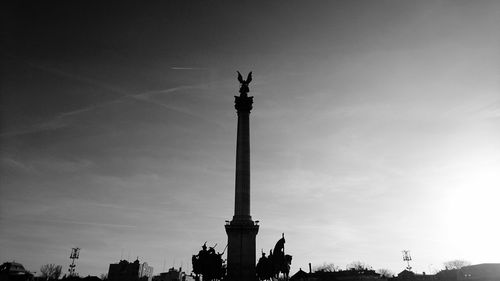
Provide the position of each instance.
(146, 271)
(130, 271)
(412, 276)
(173, 275)
(300, 276)
(341, 275)
(479, 272)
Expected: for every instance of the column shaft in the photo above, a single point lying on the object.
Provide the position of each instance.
(242, 184)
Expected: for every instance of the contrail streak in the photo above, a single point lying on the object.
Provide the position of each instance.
(187, 68)
(77, 77)
(90, 223)
(57, 122)
(80, 222)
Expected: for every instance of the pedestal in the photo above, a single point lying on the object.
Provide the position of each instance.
(241, 250)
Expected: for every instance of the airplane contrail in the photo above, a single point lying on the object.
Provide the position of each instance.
(188, 68)
(56, 122)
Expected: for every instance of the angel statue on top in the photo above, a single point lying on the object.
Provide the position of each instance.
(244, 83)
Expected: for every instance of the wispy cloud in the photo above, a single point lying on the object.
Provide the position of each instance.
(50, 125)
(77, 77)
(59, 121)
(187, 68)
(15, 164)
(167, 91)
(491, 110)
(142, 97)
(76, 222)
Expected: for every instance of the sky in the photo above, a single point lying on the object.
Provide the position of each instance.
(375, 129)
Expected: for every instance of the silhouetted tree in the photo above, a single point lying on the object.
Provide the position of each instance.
(104, 276)
(358, 266)
(51, 271)
(326, 267)
(384, 272)
(456, 264)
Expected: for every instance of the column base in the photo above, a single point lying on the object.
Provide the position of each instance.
(241, 250)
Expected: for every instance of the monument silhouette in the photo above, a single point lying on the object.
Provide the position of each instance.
(242, 230)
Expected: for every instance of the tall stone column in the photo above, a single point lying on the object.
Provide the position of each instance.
(242, 230)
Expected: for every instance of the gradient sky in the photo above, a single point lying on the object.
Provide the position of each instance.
(375, 129)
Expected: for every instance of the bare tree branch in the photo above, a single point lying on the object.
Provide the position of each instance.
(51, 271)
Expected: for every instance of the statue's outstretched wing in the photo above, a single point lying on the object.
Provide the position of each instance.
(249, 78)
(240, 78)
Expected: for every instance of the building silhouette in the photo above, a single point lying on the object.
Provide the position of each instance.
(13, 271)
(412, 276)
(173, 275)
(130, 271)
(340, 275)
(477, 272)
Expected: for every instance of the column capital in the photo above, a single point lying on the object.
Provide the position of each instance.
(243, 103)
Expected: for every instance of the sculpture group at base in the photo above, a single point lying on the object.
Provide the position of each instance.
(209, 264)
(277, 262)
